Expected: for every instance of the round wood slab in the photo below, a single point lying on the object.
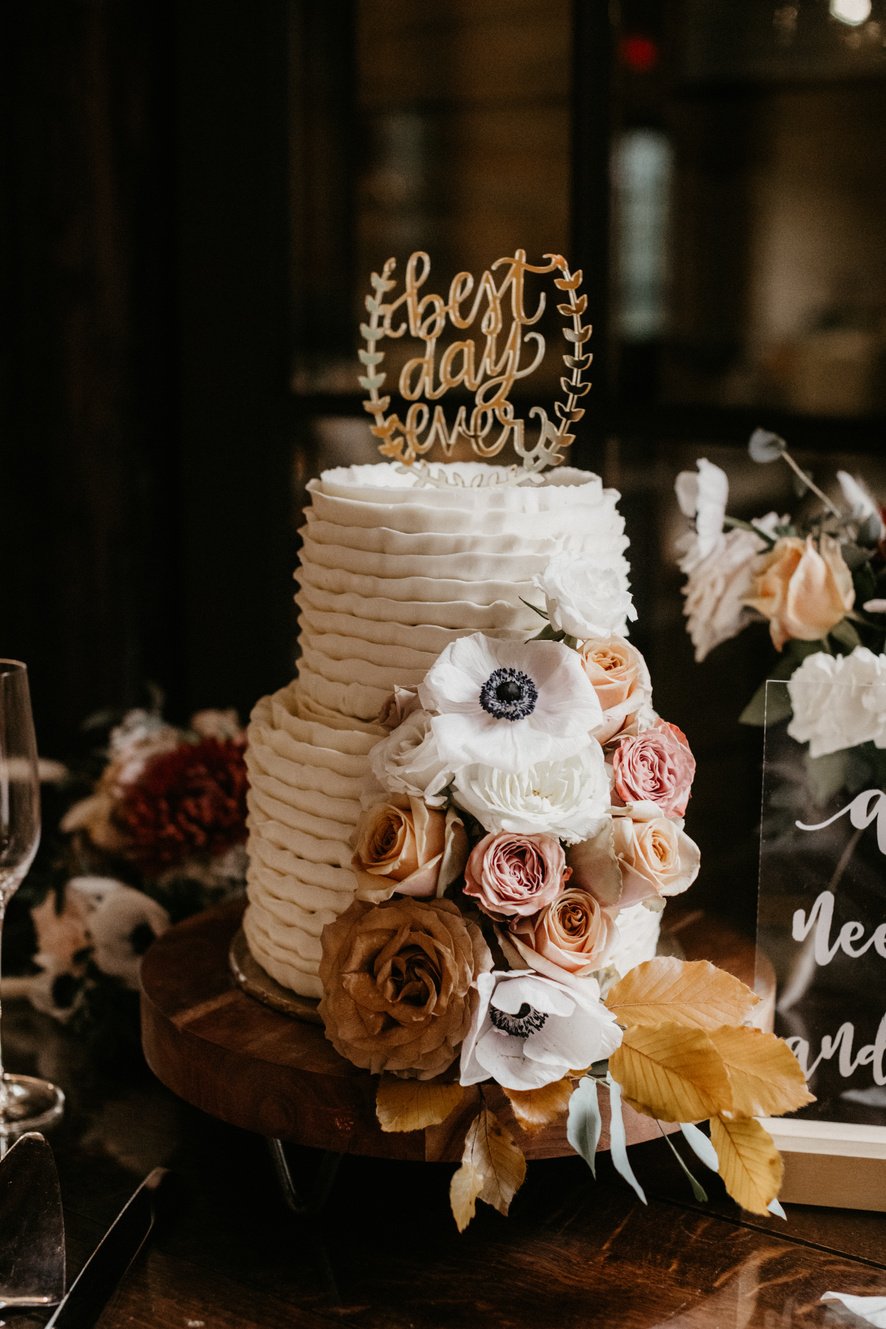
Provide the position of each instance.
(238, 1059)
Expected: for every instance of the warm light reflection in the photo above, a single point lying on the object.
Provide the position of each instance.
(852, 12)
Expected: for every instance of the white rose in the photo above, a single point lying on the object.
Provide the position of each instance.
(702, 496)
(529, 1031)
(564, 798)
(585, 598)
(408, 761)
(718, 585)
(839, 701)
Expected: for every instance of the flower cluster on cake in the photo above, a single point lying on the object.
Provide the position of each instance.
(470, 882)
(817, 578)
(529, 792)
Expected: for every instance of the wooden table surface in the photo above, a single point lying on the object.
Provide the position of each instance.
(385, 1253)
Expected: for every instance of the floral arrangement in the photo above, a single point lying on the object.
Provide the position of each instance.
(817, 579)
(157, 834)
(528, 802)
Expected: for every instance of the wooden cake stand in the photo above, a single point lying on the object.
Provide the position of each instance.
(239, 1059)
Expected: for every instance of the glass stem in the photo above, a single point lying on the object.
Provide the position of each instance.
(4, 1098)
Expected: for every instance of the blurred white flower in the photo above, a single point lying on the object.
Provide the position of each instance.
(839, 701)
(718, 585)
(702, 496)
(122, 925)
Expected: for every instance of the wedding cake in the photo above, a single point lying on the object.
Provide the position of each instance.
(391, 573)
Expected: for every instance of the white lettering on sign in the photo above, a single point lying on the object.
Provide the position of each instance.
(866, 807)
(850, 939)
(841, 1046)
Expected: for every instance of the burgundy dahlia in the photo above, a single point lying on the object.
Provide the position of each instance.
(187, 803)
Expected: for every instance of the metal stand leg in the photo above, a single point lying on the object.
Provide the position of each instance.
(296, 1200)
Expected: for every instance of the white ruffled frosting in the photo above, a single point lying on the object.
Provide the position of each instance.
(391, 572)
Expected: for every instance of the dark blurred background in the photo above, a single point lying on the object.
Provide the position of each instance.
(193, 197)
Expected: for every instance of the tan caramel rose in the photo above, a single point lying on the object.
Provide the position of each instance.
(571, 936)
(397, 984)
(407, 848)
(620, 678)
(803, 590)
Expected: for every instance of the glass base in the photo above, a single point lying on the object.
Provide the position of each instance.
(28, 1104)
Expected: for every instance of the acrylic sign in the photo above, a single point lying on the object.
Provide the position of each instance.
(480, 338)
(822, 924)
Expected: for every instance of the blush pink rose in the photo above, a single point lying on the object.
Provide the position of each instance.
(572, 935)
(655, 766)
(511, 875)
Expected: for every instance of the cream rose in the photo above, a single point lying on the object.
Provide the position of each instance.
(656, 857)
(572, 935)
(407, 848)
(408, 761)
(515, 875)
(803, 590)
(620, 678)
(655, 766)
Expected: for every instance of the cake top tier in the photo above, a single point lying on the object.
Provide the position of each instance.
(479, 339)
(476, 485)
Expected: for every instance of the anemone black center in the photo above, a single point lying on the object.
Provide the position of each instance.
(527, 1020)
(508, 694)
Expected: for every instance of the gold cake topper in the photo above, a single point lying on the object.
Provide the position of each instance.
(510, 348)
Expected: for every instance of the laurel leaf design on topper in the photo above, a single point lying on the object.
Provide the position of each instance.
(489, 374)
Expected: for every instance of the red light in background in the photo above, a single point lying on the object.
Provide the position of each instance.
(638, 53)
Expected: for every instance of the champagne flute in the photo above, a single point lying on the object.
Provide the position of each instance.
(26, 1103)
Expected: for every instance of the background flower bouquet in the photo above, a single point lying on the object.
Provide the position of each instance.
(818, 579)
(529, 799)
(149, 830)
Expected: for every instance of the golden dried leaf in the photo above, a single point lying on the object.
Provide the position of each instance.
(690, 992)
(672, 1072)
(492, 1169)
(535, 1108)
(750, 1164)
(766, 1077)
(411, 1105)
(464, 1190)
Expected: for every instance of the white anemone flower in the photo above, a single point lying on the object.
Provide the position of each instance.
(508, 703)
(529, 1031)
(122, 925)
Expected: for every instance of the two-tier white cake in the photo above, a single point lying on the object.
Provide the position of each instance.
(392, 570)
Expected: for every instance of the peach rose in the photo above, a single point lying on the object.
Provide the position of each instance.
(655, 766)
(398, 980)
(656, 857)
(407, 848)
(572, 936)
(510, 874)
(803, 590)
(620, 679)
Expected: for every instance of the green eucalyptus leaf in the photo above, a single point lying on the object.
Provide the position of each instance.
(583, 1122)
(618, 1145)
